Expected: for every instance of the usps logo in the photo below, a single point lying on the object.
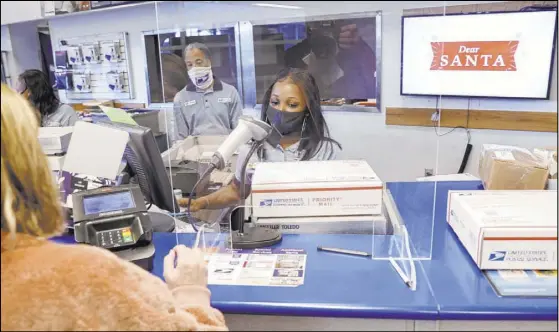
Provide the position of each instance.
(266, 202)
(497, 256)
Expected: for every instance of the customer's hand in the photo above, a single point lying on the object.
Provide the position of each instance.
(184, 266)
(195, 206)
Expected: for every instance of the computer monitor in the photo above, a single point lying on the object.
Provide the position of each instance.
(146, 166)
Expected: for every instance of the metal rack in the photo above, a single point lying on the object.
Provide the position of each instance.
(99, 72)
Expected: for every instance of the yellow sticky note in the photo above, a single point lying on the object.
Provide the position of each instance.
(118, 115)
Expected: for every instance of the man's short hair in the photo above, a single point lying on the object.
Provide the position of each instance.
(200, 46)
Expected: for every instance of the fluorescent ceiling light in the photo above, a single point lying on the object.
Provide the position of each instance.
(273, 5)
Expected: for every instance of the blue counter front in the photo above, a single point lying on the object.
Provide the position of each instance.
(449, 286)
(335, 285)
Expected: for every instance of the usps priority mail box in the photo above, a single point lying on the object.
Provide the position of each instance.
(316, 188)
(506, 230)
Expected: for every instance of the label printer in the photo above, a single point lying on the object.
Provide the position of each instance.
(115, 218)
(54, 142)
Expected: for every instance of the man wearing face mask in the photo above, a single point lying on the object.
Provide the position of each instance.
(206, 106)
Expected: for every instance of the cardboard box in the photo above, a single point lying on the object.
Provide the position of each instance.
(316, 188)
(506, 229)
(55, 140)
(549, 155)
(509, 168)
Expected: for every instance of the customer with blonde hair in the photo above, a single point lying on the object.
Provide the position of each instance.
(49, 286)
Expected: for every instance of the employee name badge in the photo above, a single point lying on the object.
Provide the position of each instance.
(190, 103)
(223, 100)
(251, 166)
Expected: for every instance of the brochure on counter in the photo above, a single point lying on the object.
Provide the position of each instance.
(258, 267)
(524, 283)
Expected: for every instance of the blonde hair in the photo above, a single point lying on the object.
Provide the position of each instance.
(30, 201)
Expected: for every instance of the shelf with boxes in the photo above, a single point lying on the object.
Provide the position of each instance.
(94, 67)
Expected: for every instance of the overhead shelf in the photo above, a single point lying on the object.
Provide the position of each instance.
(101, 9)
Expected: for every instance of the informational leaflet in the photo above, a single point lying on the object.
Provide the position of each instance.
(532, 283)
(258, 267)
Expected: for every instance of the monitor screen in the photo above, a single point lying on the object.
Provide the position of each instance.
(106, 203)
(146, 166)
(501, 55)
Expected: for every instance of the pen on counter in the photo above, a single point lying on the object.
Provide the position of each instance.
(344, 251)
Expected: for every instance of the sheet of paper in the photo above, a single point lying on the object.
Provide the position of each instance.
(258, 267)
(532, 283)
(118, 115)
(95, 150)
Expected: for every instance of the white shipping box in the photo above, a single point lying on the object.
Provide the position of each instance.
(506, 230)
(316, 188)
(373, 225)
(55, 140)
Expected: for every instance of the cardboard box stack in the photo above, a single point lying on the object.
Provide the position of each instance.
(549, 155)
(511, 168)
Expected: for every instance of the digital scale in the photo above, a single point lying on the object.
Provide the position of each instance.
(115, 218)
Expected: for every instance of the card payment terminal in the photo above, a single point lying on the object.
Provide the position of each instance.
(115, 218)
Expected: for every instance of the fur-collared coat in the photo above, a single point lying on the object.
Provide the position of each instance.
(50, 286)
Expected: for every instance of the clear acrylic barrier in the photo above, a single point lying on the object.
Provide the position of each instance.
(250, 42)
(362, 225)
(167, 74)
(210, 237)
(377, 105)
(370, 236)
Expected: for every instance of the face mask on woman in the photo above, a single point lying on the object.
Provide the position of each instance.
(284, 123)
(202, 77)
